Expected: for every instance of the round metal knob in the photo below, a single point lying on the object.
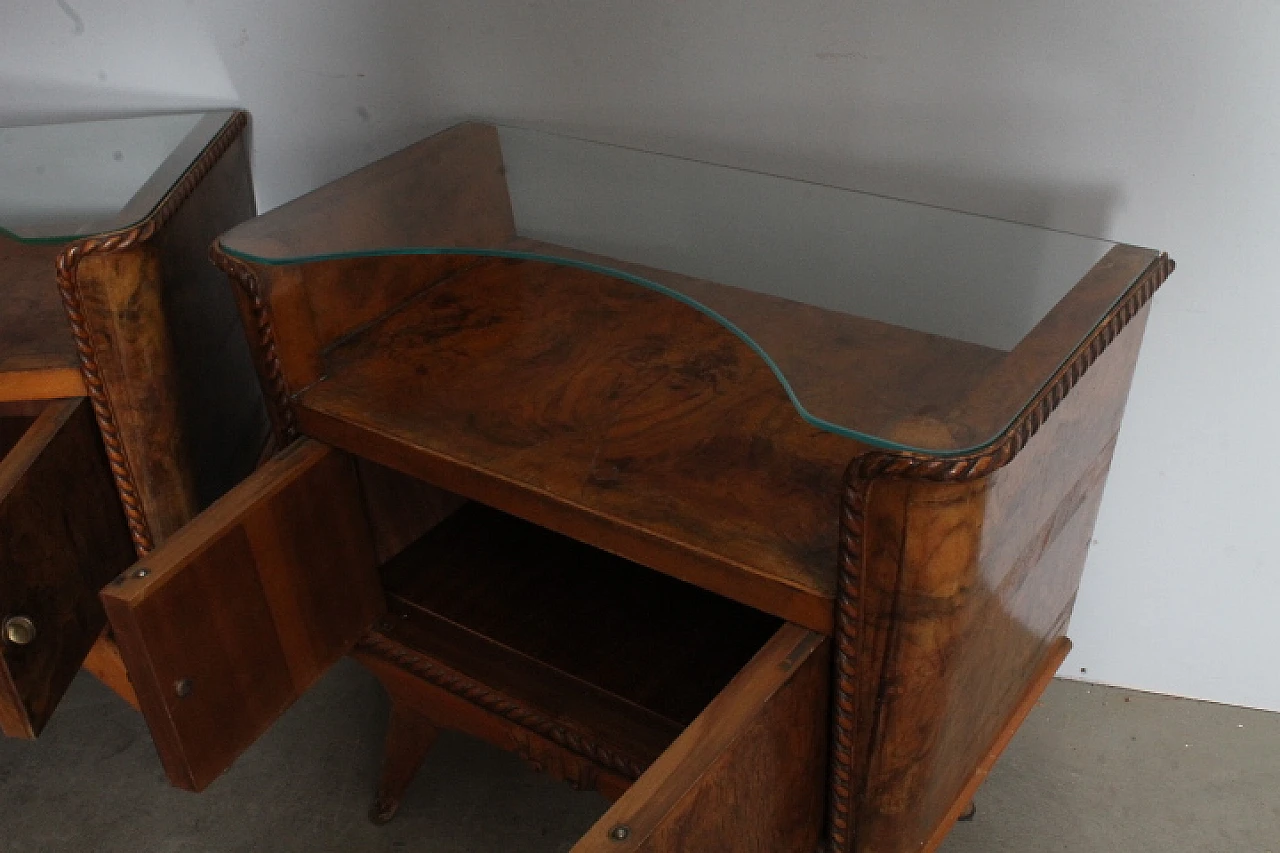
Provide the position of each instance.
(19, 630)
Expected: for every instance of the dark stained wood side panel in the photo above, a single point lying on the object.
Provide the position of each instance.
(747, 776)
(981, 599)
(62, 536)
(122, 298)
(217, 396)
(233, 618)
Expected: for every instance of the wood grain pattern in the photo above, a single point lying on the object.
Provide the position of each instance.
(565, 398)
(121, 300)
(976, 601)
(228, 622)
(845, 369)
(220, 410)
(63, 538)
(746, 775)
(446, 190)
(129, 452)
(604, 411)
(37, 357)
(855, 706)
(963, 802)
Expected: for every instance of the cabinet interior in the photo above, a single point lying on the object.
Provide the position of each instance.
(628, 653)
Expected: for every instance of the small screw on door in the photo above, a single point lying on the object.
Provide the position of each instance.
(19, 630)
(183, 687)
(621, 832)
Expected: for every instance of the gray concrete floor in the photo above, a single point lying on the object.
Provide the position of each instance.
(1094, 769)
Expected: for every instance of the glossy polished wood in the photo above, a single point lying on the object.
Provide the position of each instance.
(610, 413)
(968, 591)
(161, 349)
(236, 615)
(63, 538)
(614, 415)
(746, 776)
(510, 381)
(468, 189)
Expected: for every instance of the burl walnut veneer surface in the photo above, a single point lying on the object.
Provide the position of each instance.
(605, 411)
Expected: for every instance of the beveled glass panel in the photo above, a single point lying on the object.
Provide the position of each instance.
(62, 181)
(898, 324)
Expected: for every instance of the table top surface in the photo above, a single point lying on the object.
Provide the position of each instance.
(828, 286)
(59, 182)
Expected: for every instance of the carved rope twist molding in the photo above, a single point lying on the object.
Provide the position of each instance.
(67, 266)
(270, 367)
(860, 476)
(504, 706)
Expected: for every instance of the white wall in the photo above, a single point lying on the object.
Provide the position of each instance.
(1155, 122)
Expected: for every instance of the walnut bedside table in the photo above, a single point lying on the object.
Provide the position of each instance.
(119, 426)
(759, 506)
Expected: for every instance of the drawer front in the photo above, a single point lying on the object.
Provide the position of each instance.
(62, 537)
(747, 776)
(238, 613)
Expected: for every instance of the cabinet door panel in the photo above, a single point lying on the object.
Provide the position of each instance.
(238, 613)
(747, 776)
(62, 536)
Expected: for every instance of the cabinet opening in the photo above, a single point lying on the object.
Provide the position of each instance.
(12, 428)
(627, 654)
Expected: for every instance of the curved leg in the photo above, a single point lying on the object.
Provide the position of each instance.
(969, 813)
(410, 736)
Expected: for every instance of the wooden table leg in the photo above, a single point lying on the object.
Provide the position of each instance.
(105, 664)
(410, 737)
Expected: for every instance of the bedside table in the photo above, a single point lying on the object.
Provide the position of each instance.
(106, 423)
(758, 505)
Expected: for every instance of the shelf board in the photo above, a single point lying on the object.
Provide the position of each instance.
(603, 410)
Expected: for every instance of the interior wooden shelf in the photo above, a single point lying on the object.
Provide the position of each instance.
(630, 654)
(603, 410)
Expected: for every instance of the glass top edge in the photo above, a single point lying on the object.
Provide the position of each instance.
(208, 127)
(247, 228)
(504, 125)
(871, 440)
(141, 116)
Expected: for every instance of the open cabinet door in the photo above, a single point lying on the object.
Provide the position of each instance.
(239, 612)
(62, 536)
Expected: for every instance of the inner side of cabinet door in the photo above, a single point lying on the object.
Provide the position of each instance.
(62, 537)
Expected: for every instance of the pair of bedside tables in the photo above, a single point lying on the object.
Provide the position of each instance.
(756, 505)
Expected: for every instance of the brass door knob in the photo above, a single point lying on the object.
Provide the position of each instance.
(19, 630)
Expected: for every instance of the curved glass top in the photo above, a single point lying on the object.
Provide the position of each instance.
(59, 182)
(897, 324)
